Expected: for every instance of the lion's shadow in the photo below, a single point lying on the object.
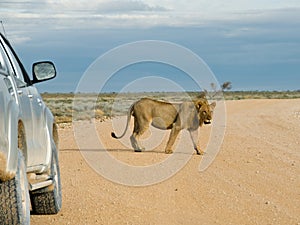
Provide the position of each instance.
(118, 150)
(106, 150)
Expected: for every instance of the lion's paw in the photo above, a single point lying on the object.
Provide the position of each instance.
(168, 151)
(139, 149)
(199, 151)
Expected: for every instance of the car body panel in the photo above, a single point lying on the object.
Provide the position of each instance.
(9, 112)
(21, 103)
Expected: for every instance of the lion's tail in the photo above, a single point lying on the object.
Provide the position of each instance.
(130, 110)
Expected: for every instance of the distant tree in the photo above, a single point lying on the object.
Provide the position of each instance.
(213, 86)
(226, 86)
(215, 92)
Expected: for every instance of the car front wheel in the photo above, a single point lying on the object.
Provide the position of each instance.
(14, 197)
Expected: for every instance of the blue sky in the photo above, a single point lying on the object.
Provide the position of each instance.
(254, 44)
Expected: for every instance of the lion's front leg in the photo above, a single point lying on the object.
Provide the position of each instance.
(194, 136)
(173, 135)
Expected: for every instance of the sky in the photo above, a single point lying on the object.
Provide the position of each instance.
(253, 44)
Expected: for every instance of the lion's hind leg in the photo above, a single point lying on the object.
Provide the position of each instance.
(134, 143)
(138, 131)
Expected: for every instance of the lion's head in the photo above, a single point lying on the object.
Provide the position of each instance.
(205, 111)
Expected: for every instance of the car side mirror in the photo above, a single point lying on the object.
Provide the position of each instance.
(42, 71)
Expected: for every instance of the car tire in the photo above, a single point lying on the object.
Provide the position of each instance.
(14, 197)
(48, 200)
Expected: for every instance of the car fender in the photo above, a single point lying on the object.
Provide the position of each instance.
(9, 153)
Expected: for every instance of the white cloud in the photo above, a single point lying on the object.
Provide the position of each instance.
(70, 13)
(43, 15)
(197, 12)
(127, 6)
(104, 6)
(225, 6)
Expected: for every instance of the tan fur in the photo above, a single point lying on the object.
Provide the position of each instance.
(4, 175)
(164, 115)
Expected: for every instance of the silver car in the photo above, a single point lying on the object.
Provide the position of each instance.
(29, 168)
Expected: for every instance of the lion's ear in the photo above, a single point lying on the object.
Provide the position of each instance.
(213, 105)
(199, 103)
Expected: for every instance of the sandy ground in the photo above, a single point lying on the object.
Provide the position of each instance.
(253, 180)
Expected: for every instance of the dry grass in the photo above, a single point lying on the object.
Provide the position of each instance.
(106, 105)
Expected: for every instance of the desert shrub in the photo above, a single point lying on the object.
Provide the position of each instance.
(107, 105)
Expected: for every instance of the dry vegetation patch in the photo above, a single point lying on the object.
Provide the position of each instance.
(106, 105)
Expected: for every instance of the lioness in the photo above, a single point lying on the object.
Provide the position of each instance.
(164, 115)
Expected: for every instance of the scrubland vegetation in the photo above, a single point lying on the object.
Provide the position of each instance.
(106, 105)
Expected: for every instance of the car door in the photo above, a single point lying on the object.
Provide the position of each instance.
(39, 129)
(32, 111)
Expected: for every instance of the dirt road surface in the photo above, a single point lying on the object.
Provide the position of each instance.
(255, 178)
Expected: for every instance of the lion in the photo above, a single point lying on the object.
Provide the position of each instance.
(188, 115)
